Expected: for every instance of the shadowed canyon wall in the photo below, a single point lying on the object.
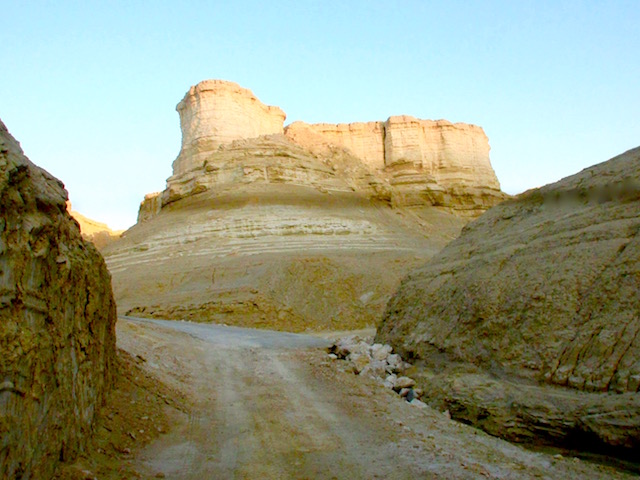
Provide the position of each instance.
(57, 320)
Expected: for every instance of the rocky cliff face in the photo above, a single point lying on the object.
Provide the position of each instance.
(543, 289)
(415, 162)
(95, 232)
(266, 244)
(364, 140)
(217, 112)
(425, 161)
(306, 229)
(57, 319)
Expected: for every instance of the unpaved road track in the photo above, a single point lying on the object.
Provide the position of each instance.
(268, 405)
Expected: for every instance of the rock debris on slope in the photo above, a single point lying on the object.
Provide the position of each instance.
(377, 360)
(528, 324)
(57, 320)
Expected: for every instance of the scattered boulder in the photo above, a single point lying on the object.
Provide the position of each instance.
(395, 363)
(359, 361)
(380, 352)
(57, 322)
(405, 382)
(529, 323)
(418, 403)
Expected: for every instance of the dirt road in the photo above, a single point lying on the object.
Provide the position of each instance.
(267, 405)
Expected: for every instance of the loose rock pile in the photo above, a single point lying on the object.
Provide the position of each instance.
(377, 361)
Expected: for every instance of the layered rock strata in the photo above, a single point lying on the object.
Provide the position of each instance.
(57, 319)
(541, 292)
(415, 162)
(217, 112)
(281, 256)
(427, 161)
(263, 228)
(95, 232)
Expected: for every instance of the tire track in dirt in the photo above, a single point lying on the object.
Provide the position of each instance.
(265, 406)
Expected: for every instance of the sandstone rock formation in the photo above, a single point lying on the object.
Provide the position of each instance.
(217, 112)
(95, 232)
(425, 161)
(57, 319)
(414, 162)
(150, 206)
(273, 229)
(541, 291)
(364, 140)
(272, 255)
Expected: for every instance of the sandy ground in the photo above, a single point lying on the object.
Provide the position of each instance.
(264, 405)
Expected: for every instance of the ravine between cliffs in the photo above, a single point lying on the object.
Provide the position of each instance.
(269, 405)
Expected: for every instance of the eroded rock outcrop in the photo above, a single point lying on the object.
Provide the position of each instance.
(262, 228)
(95, 232)
(217, 112)
(364, 140)
(424, 161)
(408, 161)
(150, 206)
(542, 291)
(57, 319)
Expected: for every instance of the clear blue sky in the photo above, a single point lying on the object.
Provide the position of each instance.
(90, 88)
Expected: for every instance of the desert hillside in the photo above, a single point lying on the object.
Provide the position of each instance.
(308, 227)
(528, 324)
(96, 232)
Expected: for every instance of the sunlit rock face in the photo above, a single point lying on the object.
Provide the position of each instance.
(410, 161)
(425, 162)
(364, 140)
(309, 227)
(149, 207)
(57, 322)
(541, 288)
(95, 232)
(217, 112)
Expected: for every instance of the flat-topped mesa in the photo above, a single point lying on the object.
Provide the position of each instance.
(217, 112)
(417, 154)
(452, 153)
(230, 138)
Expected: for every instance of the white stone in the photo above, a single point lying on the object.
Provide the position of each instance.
(395, 363)
(390, 381)
(418, 403)
(359, 362)
(405, 382)
(375, 368)
(380, 352)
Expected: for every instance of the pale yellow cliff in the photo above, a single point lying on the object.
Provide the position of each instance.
(415, 151)
(403, 160)
(217, 112)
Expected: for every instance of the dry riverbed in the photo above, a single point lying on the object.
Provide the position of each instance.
(223, 403)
